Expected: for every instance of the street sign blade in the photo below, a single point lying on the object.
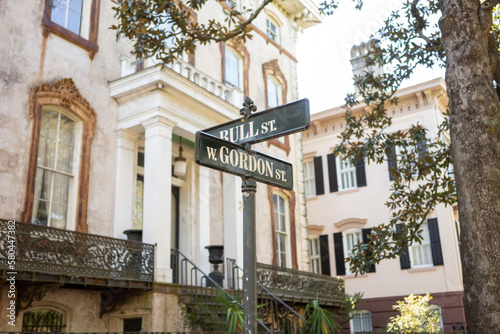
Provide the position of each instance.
(225, 156)
(271, 123)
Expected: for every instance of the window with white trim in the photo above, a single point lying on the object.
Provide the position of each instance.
(281, 230)
(309, 178)
(233, 68)
(54, 197)
(315, 255)
(272, 30)
(421, 254)
(361, 322)
(273, 92)
(346, 174)
(351, 238)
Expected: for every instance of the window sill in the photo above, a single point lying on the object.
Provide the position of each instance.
(311, 198)
(347, 191)
(353, 276)
(88, 45)
(422, 269)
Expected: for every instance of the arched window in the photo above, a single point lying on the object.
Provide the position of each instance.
(272, 29)
(274, 92)
(55, 180)
(235, 65)
(233, 68)
(63, 125)
(43, 321)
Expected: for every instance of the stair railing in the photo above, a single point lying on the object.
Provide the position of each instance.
(274, 312)
(201, 288)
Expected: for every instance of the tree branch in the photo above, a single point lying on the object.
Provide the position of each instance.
(420, 22)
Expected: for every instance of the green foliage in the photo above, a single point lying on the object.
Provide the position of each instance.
(168, 28)
(319, 320)
(415, 316)
(235, 315)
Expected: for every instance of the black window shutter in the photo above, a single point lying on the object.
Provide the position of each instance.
(404, 257)
(325, 254)
(360, 172)
(332, 172)
(437, 254)
(339, 253)
(365, 233)
(318, 175)
(391, 161)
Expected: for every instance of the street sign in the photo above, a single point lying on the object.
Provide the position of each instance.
(225, 156)
(271, 123)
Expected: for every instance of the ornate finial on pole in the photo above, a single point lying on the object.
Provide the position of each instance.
(249, 107)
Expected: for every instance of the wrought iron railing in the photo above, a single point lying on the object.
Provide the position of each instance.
(273, 311)
(301, 286)
(202, 291)
(72, 256)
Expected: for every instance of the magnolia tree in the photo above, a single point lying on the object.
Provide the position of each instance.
(416, 316)
(461, 36)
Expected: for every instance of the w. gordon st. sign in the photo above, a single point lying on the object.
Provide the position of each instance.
(225, 156)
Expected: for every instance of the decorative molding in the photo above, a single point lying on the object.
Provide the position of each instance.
(351, 223)
(315, 230)
(61, 93)
(28, 294)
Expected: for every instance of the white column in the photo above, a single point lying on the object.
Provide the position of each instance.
(125, 182)
(204, 219)
(233, 218)
(157, 192)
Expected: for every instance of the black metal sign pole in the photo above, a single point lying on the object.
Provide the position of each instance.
(248, 189)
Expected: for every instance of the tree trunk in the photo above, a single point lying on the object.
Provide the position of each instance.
(476, 157)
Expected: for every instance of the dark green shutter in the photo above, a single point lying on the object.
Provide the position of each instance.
(365, 233)
(324, 251)
(318, 175)
(361, 173)
(339, 253)
(437, 254)
(332, 173)
(391, 161)
(404, 257)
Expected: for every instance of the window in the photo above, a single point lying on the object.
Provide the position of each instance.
(272, 29)
(344, 175)
(398, 160)
(421, 254)
(232, 69)
(74, 20)
(314, 251)
(428, 252)
(281, 223)
(309, 180)
(437, 310)
(351, 238)
(55, 173)
(132, 325)
(63, 125)
(344, 243)
(361, 322)
(273, 92)
(42, 321)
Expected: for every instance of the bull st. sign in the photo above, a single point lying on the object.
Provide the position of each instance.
(225, 156)
(271, 123)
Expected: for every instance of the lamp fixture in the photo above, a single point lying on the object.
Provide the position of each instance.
(180, 163)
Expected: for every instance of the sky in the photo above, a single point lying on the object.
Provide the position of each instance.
(323, 52)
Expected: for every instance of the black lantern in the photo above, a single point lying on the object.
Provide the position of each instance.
(215, 257)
